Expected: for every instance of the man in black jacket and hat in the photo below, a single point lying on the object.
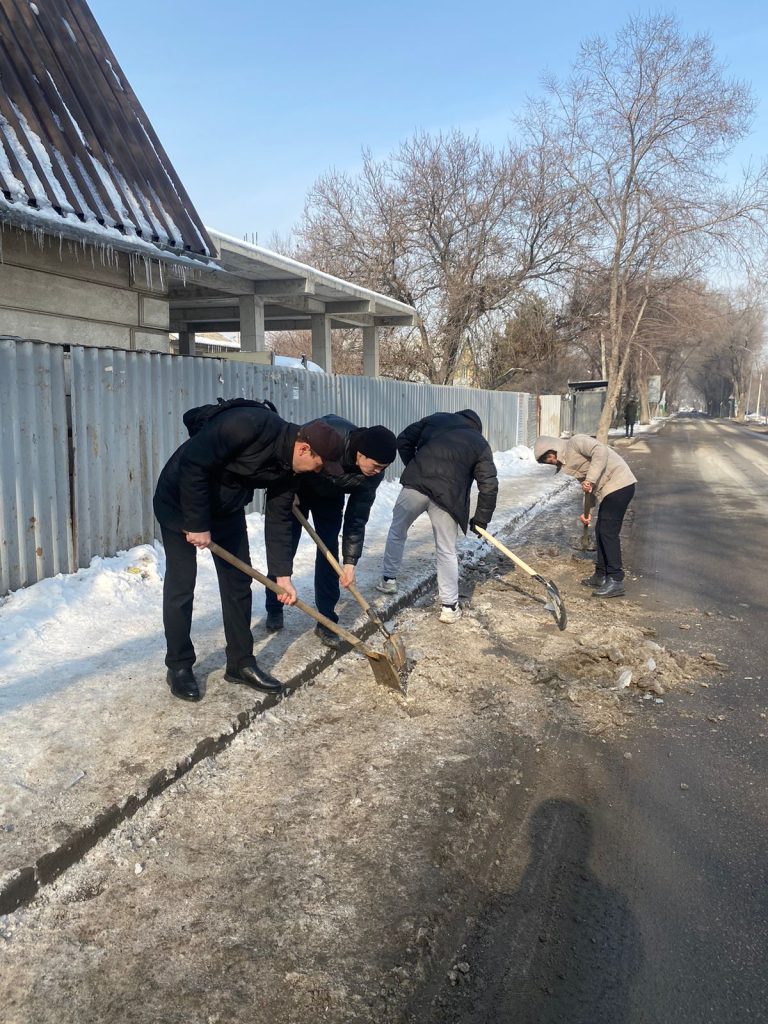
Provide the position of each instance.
(201, 496)
(443, 454)
(367, 452)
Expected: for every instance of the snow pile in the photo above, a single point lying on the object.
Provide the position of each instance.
(514, 462)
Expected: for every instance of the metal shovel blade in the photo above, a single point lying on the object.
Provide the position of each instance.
(384, 671)
(394, 648)
(554, 603)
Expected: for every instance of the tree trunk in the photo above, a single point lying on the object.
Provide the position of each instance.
(644, 410)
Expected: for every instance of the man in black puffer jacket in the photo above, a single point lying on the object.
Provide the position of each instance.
(366, 454)
(201, 496)
(443, 454)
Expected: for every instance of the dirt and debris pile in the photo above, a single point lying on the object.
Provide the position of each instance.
(590, 675)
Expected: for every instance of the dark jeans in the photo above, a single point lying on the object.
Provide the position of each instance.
(234, 588)
(326, 515)
(629, 428)
(610, 516)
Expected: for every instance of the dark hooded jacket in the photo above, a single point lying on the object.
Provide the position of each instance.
(443, 454)
(360, 488)
(213, 475)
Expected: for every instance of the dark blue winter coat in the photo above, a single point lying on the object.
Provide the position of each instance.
(443, 454)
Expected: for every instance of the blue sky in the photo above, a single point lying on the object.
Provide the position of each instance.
(253, 101)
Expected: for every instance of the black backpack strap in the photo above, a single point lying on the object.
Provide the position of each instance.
(195, 419)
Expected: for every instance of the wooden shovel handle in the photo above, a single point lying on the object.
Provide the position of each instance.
(220, 552)
(333, 561)
(589, 504)
(505, 551)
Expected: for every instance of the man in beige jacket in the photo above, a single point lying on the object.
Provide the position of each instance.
(605, 475)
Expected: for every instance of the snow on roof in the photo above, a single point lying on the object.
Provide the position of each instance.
(294, 268)
(78, 155)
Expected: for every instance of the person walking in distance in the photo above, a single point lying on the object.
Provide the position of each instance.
(630, 417)
(443, 455)
(366, 454)
(604, 474)
(201, 496)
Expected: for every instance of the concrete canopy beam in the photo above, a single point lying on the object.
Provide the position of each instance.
(208, 327)
(282, 288)
(202, 314)
(358, 306)
(200, 283)
(287, 323)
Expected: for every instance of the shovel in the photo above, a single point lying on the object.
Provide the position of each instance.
(589, 504)
(383, 669)
(393, 645)
(555, 603)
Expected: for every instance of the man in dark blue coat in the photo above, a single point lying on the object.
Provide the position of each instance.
(366, 454)
(443, 455)
(201, 496)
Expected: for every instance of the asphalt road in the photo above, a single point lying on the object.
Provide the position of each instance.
(644, 897)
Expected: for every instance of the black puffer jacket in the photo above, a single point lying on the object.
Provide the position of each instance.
(214, 474)
(360, 488)
(443, 454)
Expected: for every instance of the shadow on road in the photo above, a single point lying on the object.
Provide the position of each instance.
(562, 949)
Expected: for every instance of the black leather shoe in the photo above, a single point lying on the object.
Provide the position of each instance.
(274, 622)
(325, 636)
(610, 588)
(597, 579)
(183, 684)
(255, 677)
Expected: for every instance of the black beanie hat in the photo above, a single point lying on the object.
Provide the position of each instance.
(379, 444)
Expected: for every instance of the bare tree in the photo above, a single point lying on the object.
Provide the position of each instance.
(641, 130)
(447, 225)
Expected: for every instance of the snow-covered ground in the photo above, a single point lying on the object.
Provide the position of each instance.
(65, 629)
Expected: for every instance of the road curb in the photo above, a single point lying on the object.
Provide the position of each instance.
(20, 886)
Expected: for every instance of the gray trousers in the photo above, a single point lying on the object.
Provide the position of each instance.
(409, 506)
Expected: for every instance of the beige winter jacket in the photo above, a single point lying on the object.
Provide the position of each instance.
(587, 459)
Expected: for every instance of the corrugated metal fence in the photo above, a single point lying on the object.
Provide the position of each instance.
(550, 412)
(85, 433)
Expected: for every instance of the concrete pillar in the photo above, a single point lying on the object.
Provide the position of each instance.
(321, 341)
(186, 343)
(252, 337)
(371, 352)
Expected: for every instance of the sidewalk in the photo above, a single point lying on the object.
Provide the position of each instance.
(88, 728)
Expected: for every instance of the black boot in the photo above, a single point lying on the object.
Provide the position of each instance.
(274, 621)
(597, 579)
(255, 677)
(183, 683)
(610, 588)
(327, 637)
